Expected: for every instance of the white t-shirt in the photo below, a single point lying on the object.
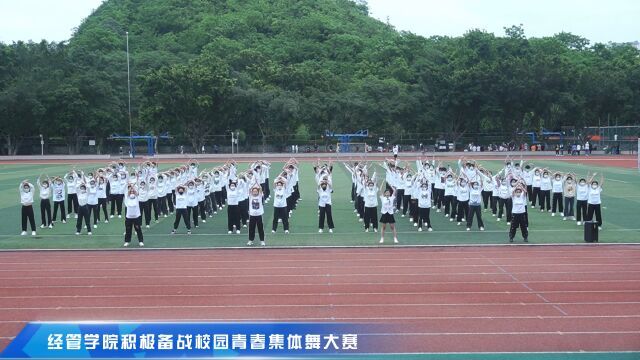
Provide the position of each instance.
(582, 192)
(181, 200)
(58, 192)
(594, 196)
(324, 197)
(545, 183)
(475, 197)
(255, 205)
(424, 198)
(279, 198)
(370, 197)
(387, 204)
(462, 193)
(26, 197)
(232, 196)
(519, 204)
(556, 185)
(133, 207)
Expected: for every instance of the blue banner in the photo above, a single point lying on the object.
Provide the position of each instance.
(173, 340)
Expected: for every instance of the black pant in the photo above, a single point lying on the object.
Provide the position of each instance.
(202, 210)
(83, 215)
(557, 200)
(102, 203)
(280, 213)
(72, 203)
(45, 209)
(170, 201)
(353, 191)
(27, 214)
(448, 205)
(494, 204)
(530, 191)
(463, 209)
(545, 198)
(153, 204)
(474, 210)
(116, 202)
(233, 217)
(568, 206)
(218, 196)
(413, 210)
(193, 211)
(594, 208)
(518, 220)
(535, 194)
(136, 224)
(95, 210)
(406, 199)
(244, 211)
(486, 199)
(145, 209)
(265, 189)
(325, 211)
(399, 197)
(360, 206)
(253, 222)
(370, 217)
(581, 210)
(182, 213)
(439, 199)
(505, 203)
(424, 217)
(63, 213)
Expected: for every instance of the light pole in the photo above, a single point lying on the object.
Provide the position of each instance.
(232, 141)
(41, 145)
(129, 92)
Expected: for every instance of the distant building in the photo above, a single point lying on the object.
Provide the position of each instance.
(636, 44)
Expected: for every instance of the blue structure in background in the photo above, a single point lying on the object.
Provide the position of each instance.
(149, 138)
(545, 134)
(345, 139)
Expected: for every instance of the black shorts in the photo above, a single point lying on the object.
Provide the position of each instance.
(387, 219)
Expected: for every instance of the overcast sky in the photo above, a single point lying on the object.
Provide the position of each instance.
(597, 20)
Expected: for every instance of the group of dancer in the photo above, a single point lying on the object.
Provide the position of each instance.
(461, 192)
(193, 195)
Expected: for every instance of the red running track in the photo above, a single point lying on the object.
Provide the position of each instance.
(484, 299)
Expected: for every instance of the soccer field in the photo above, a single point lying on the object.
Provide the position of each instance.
(621, 200)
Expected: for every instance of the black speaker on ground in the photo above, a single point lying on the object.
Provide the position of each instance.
(590, 231)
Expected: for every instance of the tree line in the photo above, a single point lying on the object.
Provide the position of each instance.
(270, 68)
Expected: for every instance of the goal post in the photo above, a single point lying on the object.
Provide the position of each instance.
(352, 150)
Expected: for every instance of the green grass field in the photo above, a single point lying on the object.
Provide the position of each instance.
(621, 200)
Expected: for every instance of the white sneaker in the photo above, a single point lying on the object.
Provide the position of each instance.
(468, 229)
(126, 244)
(89, 233)
(599, 228)
(244, 226)
(42, 226)
(23, 233)
(262, 243)
(320, 231)
(498, 219)
(430, 229)
(508, 222)
(286, 231)
(65, 221)
(147, 226)
(438, 210)
(375, 230)
(395, 240)
(165, 215)
(188, 232)
(273, 231)
(229, 232)
(381, 241)
(450, 219)
(214, 213)
(204, 221)
(446, 215)
(564, 218)
(579, 223)
(360, 220)
(366, 230)
(420, 229)
(481, 228)
(119, 216)
(141, 244)
(331, 231)
(561, 214)
(95, 226)
(459, 223)
(553, 214)
(50, 226)
(237, 231)
(111, 217)
(403, 215)
(415, 224)
(77, 233)
(76, 216)
(106, 221)
(249, 243)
